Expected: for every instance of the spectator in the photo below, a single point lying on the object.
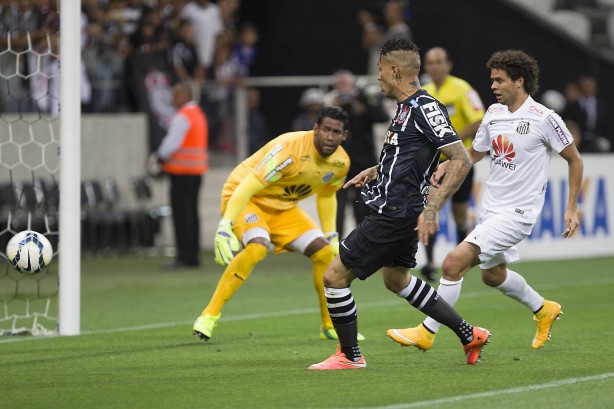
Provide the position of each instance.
(184, 57)
(220, 99)
(595, 109)
(311, 105)
(103, 62)
(184, 154)
(228, 14)
(575, 111)
(244, 50)
(394, 14)
(257, 132)
(129, 12)
(207, 22)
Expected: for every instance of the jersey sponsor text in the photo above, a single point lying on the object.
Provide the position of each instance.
(436, 119)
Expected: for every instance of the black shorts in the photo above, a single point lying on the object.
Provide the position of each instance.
(380, 241)
(464, 191)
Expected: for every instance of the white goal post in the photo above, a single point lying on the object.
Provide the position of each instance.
(70, 169)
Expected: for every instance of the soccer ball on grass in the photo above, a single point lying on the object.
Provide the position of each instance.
(29, 252)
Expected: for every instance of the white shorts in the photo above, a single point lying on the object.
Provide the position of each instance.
(497, 235)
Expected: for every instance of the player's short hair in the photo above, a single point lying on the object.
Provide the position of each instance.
(517, 64)
(403, 51)
(334, 112)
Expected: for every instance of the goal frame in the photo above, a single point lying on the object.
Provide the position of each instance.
(69, 274)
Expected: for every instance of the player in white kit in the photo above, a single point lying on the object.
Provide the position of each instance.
(519, 134)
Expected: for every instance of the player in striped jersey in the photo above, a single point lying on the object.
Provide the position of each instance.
(396, 191)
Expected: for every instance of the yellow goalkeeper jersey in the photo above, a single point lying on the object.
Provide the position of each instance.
(461, 100)
(291, 170)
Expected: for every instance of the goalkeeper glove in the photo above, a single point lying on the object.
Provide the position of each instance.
(333, 239)
(225, 243)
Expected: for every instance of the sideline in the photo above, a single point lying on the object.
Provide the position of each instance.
(521, 389)
(244, 317)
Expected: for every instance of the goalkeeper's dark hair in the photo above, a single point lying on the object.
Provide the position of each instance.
(334, 112)
(517, 64)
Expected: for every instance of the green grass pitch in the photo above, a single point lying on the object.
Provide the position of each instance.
(137, 349)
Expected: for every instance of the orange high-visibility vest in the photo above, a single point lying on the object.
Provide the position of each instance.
(192, 157)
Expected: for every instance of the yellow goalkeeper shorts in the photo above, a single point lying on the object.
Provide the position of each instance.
(283, 226)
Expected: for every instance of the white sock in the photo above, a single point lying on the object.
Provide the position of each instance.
(516, 287)
(449, 291)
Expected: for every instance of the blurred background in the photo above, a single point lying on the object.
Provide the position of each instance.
(258, 69)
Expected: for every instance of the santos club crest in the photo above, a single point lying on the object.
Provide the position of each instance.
(523, 127)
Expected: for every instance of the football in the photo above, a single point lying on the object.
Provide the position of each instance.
(29, 252)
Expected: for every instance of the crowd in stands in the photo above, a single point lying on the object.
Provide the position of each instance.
(199, 41)
(133, 51)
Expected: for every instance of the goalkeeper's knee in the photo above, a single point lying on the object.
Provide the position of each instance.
(251, 255)
(325, 255)
(257, 250)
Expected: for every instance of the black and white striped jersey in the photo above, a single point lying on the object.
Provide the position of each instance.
(420, 127)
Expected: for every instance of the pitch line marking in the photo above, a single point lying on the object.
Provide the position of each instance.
(376, 304)
(520, 389)
(244, 317)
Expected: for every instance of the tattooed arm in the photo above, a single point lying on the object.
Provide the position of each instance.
(456, 170)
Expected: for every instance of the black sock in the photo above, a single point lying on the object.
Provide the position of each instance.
(343, 313)
(346, 333)
(424, 297)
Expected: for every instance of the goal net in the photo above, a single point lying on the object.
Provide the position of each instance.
(29, 176)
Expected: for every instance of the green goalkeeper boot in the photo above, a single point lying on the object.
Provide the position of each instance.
(203, 326)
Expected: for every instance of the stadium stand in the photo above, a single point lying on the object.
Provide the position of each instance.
(542, 7)
(574, 23)
(585, 20)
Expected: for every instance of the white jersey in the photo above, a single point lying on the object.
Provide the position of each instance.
(520, 145)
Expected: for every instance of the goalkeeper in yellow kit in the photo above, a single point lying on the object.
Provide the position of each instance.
(259, 207)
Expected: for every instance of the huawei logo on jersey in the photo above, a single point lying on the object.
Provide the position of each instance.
(295, 192)
(503, 148)
(503, 152)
